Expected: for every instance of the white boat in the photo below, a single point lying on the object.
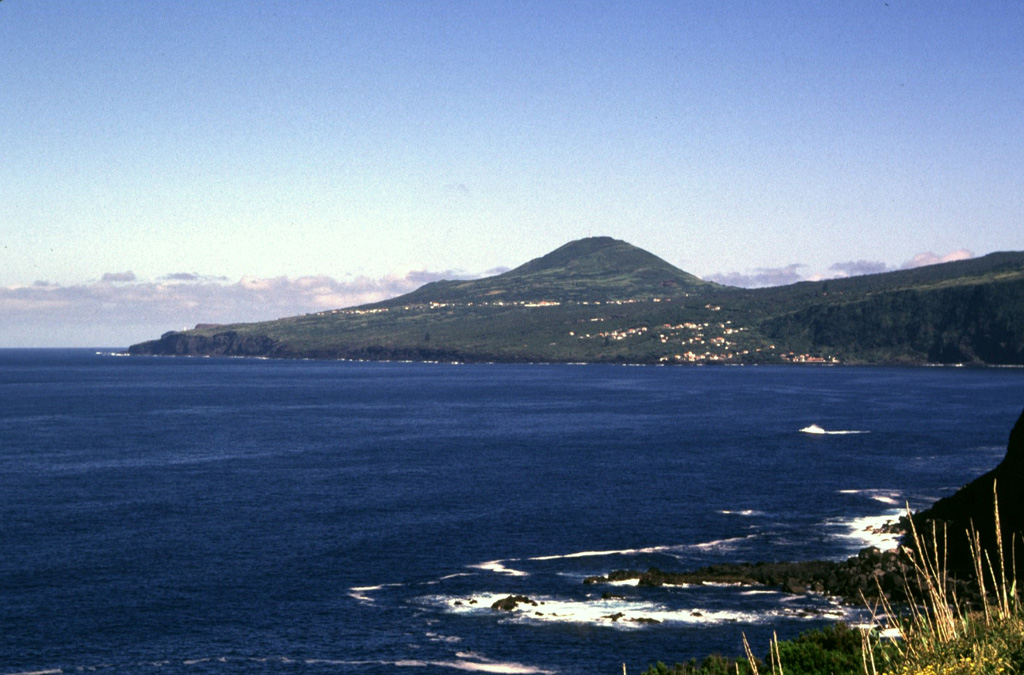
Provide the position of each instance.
(812, 429)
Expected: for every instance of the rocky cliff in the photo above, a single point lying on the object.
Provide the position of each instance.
(974, 505)
(228, 343)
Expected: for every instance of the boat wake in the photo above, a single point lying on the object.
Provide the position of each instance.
(816, 430)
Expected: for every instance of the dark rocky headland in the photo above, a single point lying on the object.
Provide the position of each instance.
(859, 577)
(973, 507)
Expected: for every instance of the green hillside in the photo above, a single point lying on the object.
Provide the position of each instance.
(598, 268)
(603, 300)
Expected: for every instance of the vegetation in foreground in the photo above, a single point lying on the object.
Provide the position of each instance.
(836, 649)
(936, 634)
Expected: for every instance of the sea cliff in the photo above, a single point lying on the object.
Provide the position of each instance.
(972, 507)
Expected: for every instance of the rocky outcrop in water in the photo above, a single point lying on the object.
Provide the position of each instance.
(860, 576)
(509, 603)
(974, 506)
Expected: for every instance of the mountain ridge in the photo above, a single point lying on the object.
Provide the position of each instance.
(594, 268)
(603, 300)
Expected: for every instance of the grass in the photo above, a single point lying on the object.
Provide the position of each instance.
(936, 633)
(940, 634)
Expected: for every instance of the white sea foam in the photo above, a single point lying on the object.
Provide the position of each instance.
(626, 613)
(472, 603)
(723, 544)
(667, 548)
(479, 663)
(486, 666)
(499, 567)
(360, 592)
(447, 577)
(596, 554)
(871, 531)
(881, 628)
(879, 495)
(463, 661)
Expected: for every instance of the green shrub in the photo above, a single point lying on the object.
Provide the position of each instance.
(835, 650)
(830, 651)
(716, 664)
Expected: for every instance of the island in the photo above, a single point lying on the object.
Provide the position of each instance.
(601, 300)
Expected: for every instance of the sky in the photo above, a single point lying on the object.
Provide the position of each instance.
(167, 163)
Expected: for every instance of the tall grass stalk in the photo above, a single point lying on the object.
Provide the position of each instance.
(938, 634)
(932, 633)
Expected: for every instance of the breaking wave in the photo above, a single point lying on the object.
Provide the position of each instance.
(634, 613)
(499, 567)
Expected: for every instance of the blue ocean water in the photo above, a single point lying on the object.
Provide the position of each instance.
(164, 515)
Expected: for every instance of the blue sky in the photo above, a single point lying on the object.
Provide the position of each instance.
(168, 163)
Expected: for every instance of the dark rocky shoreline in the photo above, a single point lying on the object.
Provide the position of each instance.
(972, 507)
(873, 575)
(869, 576)
(863, 574)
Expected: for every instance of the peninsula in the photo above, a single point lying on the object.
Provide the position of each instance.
(601, 300)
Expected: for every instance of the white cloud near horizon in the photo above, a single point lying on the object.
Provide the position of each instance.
(929, 258)
(764, 277)
(119, 309)
(118, 277)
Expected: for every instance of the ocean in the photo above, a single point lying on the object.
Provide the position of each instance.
(172, 515)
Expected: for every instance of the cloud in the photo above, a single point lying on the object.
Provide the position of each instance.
(119, 309)
(118, 277)
(423, 276)
(761, 277)
(855, 268)
(181, 276)
(190, 277)
(123, 310)
(790, 274)
(929, 258)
